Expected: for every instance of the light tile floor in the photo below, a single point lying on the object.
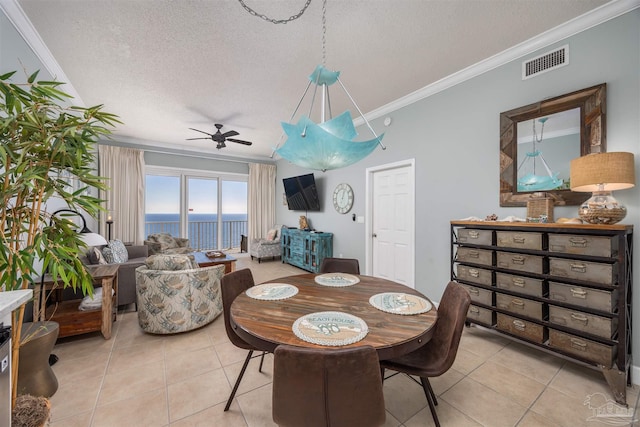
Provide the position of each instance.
(137, 379)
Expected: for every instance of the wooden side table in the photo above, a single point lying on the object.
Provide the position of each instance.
(72, 321)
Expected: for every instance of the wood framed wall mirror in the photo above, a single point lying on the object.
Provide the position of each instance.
(538, 141)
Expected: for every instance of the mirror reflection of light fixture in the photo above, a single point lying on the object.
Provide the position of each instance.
(330, 143)
(530, 180)
(601, 174)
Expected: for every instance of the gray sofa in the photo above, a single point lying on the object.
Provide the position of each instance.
(127, 273)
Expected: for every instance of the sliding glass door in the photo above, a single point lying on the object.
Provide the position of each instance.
(209, 209)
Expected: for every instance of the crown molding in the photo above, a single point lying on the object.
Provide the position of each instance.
(577, 25)
(15, 14)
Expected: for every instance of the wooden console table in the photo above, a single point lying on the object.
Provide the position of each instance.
(72, 321)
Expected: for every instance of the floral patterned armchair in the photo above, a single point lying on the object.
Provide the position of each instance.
(175, 295)
(268, 246)
(165, 243)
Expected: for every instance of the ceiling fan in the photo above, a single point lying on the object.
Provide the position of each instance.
(220, 137)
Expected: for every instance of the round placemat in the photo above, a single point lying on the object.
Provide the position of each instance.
(400, 303)
(336, 279)
(272, 291)
(332, 328)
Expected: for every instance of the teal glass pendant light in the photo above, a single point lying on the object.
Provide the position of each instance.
(529, 176)
(329, 144)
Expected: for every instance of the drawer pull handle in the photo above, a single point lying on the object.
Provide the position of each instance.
(474, 254)
(578, 242)
(579, 268)
(473, 291)
(580, 318)
(473, 234)
(518, 239)
(474, 273)
(517, 281)
(518, 260)
(578, 293)
(517, 302)
(578, 345)
(474, 310)
(519, 325)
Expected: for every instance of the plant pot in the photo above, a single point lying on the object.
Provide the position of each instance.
(35, 376)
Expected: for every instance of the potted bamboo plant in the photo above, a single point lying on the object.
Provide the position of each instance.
(42, 140)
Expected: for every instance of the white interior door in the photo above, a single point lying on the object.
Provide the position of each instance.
(391, 222)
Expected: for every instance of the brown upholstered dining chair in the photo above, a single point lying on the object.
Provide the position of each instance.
(326, 387)
(340, 265)
(436, 357)
(232, 285)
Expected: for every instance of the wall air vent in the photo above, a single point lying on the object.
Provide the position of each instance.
(546, 62)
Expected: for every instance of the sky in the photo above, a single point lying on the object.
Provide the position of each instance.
(163, 195)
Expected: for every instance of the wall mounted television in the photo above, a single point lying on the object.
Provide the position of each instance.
(301, 193)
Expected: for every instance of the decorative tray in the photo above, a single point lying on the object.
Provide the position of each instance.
(336, 279)
(400, 303)
(215, 254)
(272, 291)
(332, 328)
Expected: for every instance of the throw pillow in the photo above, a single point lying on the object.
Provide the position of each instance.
(95, 256)
(271, 234)
(115, 252)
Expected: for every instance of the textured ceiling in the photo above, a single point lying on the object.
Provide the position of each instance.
(164, 66)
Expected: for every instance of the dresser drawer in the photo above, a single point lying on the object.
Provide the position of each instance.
(479, 295)
(474, 275)
(596, 299)
(594, 272)
(523, 285)
(480, 315)
(475, 256)
(584, 245)
(519, 306)
(475, 237)
(519, 240)
(597, 325)
(522, 328)
(602, 354)
(519, 262)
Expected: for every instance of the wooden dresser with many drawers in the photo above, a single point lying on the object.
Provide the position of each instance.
(563, 288)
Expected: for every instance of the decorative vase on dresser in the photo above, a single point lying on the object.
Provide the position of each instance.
(564, 288)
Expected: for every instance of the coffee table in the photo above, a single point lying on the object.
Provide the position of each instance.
(204, 261)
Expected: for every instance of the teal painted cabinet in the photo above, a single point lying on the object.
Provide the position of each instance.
(305, 249)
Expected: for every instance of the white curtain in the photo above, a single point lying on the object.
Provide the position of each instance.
(124, 199)
(262, 199)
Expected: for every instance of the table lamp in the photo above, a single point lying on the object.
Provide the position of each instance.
(601, 173)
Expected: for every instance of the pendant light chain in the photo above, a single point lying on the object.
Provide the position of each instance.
(276, 21)
(324, 32)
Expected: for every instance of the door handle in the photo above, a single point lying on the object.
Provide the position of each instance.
(374, 235)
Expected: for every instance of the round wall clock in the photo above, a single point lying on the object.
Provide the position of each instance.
(343, 198)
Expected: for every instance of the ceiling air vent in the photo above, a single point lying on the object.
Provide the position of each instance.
(546, 62)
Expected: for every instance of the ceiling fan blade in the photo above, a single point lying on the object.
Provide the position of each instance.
(201, 131)
(191, 139)
(239, 141)
(230, 133)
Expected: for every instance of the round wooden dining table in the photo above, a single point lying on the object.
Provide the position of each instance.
(269, 323)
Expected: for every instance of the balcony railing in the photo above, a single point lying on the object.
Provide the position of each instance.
(203, 235)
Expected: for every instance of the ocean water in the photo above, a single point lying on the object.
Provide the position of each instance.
(202, 228)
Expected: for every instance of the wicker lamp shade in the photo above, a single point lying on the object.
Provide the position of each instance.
(613, 171)
(602, 173)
